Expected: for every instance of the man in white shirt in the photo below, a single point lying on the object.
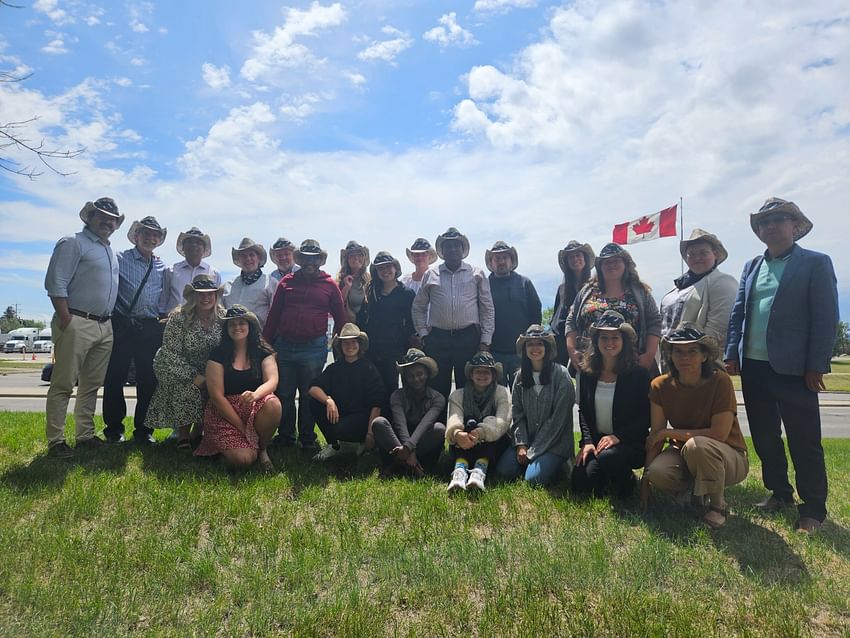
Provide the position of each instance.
(194, 246)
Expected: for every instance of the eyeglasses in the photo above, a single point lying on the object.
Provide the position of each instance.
(775, 218)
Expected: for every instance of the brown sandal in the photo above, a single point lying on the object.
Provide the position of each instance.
(711, 517)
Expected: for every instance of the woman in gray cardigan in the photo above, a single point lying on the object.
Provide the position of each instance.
(542, 406)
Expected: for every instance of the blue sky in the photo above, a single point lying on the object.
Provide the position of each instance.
(530, 121)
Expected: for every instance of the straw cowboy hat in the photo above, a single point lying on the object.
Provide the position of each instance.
(280, 244)
(202, 283)
(194, 233)
(248, 244)
(351, 247)
(537, 332)
(501, 247)
(698, 234)
(382, 258)
(237, 311)
(413, 357)
(150, 223)
(421, 245)
(688, 333)
(483, 359)
(351, 331)
(452, 233)
(105, 205)
(572, 247)
(310, 248)
(613, 320)
(802, 224)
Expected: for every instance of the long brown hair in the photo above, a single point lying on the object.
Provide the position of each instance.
(626, 360)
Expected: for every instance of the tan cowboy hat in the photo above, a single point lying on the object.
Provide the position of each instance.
(613, 320)
(686, 333)
(194, 233)
(572, 247)
(501, 247)
(280, 244)
(483, 359)
(382, 258)
(802, 224)
(202, 283)
(105, 205)
(698, 234)
(452, 233)
(351, 247)
(350, 331)
(310, 248)
(248, 244)
(150, 223)
(421, 245)
(413, 357)
(537, 332)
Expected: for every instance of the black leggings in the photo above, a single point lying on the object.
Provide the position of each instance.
(611, 469)
(350, 427)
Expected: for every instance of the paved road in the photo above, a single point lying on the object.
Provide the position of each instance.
(25, 392)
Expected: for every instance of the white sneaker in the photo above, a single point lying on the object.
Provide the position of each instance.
(458, 481)
(327, 452)
(476, 479)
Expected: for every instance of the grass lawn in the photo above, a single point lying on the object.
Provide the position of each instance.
(837, 381)
(152, 542)
(12, 366)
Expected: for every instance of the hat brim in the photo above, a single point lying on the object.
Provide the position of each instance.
(432, 255)
(135, 227)
(373, 268)
(272, 252)
(438, 245)
(708, 238)
(488, 256)
(428, 362)
(802, 224)
(625, 328)
(87, 210)
(234, 254)
(343, 255)
(297, 256)
(248, 316)
(204, 238)
(497, 370)
(585, 249)
(188, 291)
(706, 341)
(548, 338)
(363, 338)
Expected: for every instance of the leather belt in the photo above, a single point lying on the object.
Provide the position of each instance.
(88, 315)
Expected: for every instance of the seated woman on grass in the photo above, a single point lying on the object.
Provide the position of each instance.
(243, 412)
(479, 416)
(412, 439)
(613, 410)
(706, 452)
(542, 409)
(347, 397)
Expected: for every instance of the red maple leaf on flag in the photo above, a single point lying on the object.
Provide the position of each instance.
(643, 226)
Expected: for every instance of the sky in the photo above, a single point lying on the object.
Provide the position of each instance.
(528, 121)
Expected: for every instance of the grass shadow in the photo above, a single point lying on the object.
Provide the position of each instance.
(45, 472)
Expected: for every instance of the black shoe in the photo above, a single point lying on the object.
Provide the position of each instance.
(144, 439)
(280, 441)
(94, 443)
(775, 503)
(309, 448)
(114, 439)
(60, 451)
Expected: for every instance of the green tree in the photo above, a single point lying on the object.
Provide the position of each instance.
(842, 340)
(9, 320)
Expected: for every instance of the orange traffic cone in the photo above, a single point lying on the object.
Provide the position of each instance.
(33, 356)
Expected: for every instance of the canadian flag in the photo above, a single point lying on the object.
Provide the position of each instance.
(660, 224)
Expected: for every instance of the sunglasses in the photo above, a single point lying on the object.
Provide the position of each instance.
(775, 218)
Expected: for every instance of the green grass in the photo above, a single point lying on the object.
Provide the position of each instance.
(152, 542)
(12, 366)
(837, 381)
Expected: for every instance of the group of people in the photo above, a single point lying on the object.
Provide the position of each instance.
(222, 365)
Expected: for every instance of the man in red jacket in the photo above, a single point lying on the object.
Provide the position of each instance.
(297, 327)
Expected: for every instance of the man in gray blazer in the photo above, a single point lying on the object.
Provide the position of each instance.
(781, 333)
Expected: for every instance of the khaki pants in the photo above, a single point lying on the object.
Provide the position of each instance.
(81, 352)
(703, 463)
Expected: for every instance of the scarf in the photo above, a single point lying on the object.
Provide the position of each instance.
(478, 405)
(690, 278)
(251, 277)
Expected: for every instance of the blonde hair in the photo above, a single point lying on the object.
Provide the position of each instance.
(190, 308)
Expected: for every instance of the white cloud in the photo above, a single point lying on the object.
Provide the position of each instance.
(357, 79)
(125, 82)
(137, 61)
(92, 20)
(138, 27)
(55, 47)
(387, 50)
(300, 108)
(141, 14)
(449, 33)
(51, 9)
(281, 50)
(502, 6)
(217, 78)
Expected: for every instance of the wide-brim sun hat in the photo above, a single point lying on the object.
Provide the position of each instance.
(612, 320)
(281, 243)
(194, 233)
(698, 234)
(452, 233)
(350, 331)
(687, 333)
(802, 224)
(238, 311)
(501, 247)
(310, 248)
(539, 333)
(421, 245)
(482, 359)
(572, 247)
(105, 205)
(351, 247)
(150, 223)
(415, 356)
(382, 258)
(202, 283)
(248, 244)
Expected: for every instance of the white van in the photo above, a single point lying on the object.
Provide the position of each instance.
(44, 343)
(21, 340)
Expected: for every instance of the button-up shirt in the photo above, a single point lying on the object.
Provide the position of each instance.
(132, 268)
(183, 273)
(454, 300)
(84, 270)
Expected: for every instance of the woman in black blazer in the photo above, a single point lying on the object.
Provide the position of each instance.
(613, 393)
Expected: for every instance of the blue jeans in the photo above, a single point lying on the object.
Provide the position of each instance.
(298, 364)
(541, 471)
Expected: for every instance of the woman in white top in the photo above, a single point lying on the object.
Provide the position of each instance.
(421, 254)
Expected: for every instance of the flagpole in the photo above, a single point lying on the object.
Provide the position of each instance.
(681, 231)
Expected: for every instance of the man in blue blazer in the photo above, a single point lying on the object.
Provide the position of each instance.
(781, 333)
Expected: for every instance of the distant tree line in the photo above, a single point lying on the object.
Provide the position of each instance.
(10, 320)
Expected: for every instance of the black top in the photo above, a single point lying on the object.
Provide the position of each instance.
(235, 381)
(387, 320)
(355, 387)
(517, 307)
(630, 412)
